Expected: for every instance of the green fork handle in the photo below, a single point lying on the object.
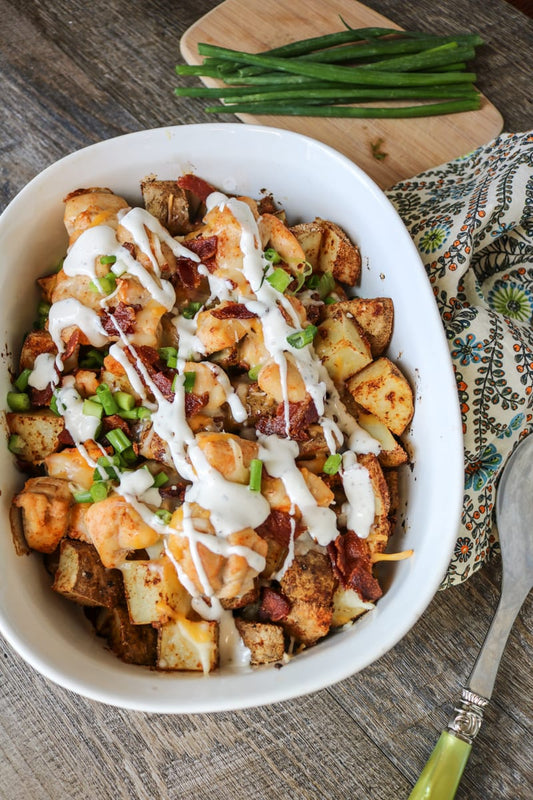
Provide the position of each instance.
(441, 775)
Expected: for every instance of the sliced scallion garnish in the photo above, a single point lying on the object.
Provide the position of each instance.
(302, 338)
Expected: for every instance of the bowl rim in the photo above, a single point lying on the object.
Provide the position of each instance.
(308, 680)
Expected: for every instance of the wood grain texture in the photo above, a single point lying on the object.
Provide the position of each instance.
(410, 145)
(72, 73)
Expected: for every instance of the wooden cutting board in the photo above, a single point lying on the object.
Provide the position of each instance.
(411, 145)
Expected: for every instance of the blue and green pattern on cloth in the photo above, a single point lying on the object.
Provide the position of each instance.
(472, 222)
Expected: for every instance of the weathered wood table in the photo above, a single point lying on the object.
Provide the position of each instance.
(72, 73)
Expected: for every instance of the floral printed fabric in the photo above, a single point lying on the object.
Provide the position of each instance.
(472, 221)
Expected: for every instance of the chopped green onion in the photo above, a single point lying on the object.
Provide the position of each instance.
(43, 309)
(333, 463)
(53, 405)
(92, 409)
(143, 412)
(301, 276)
(107, 465)
(18, 401)
(108, 259)
(189, 379)
(300, 339)
(313, 281)
(106, 398)
(272, 255)
(106, 285)
(329, 300)
(254, 372)
(22, 381)
(140, 412)
(160, 479)
(93, 359)
(279, 280)
(128, 457)
(83, 497)
(256, 471)
(99, 491)
(119, 269)
(169, 355)
(16, 444)
(118, 440)
(124, 400)
(190, 310)
(164, 515)
(326, 284)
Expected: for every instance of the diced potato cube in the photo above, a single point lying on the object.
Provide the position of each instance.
(375, 316)
(338, 254)
(265, 641)
(82, 578)
(134, 644)
(342, 346)
(309, 584)
(392, 453)
(168, 203)
(39, 430)
(347, 605)
(309, 234)
(45, 504)
(152, 589)
(35, 343)
(188, 645)
(382, 389)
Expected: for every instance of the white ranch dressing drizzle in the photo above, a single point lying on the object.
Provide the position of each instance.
(43, 372)
(69, 312)
(69, 403)
(237, 409)
(360, 508)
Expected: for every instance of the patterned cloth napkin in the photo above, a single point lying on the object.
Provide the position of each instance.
(472, 221)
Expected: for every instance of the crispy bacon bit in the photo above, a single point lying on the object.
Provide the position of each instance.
(301, 416)
(274, 605)
(164, 384)
(174, 491)
(195, 402)
(188, 274)
(233, 311)
(196, 185)
(41, 397)
(121, 315)
(73, 342)
(204, 246)
(114, 421)
(130, 247)
(148, 355)
(277, 526)
(65, 438)
(352, 566)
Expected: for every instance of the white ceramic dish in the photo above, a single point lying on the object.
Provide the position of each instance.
(310, 180)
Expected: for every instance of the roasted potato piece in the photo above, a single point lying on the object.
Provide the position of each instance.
(265, 641)
(45, 504)
(152, 589)
(116, 528)
(185, 644)
(134, 644)
(382, 389)
(39, 430)
(342, 346)
(85, 208)
(169, 204)
(309, 234)
(347, 605)
(309, 585)
(380, 530)
(338, 254)
(82, 578)
(375, 316)
(35, 343)
(392, 453)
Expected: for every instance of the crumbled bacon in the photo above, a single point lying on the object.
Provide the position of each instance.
(352, 566)
(164, 384)
(277, 526)
(73, 342)
(174, 491)
(274, 607)
(195, 402)
(122, 315)
(301, 416)
(192, 183)
(41, 397)
(113, 421)
(188, 274)
(64, 438)
(232, 311)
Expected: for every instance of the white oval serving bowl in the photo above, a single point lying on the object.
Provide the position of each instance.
(309, 179)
